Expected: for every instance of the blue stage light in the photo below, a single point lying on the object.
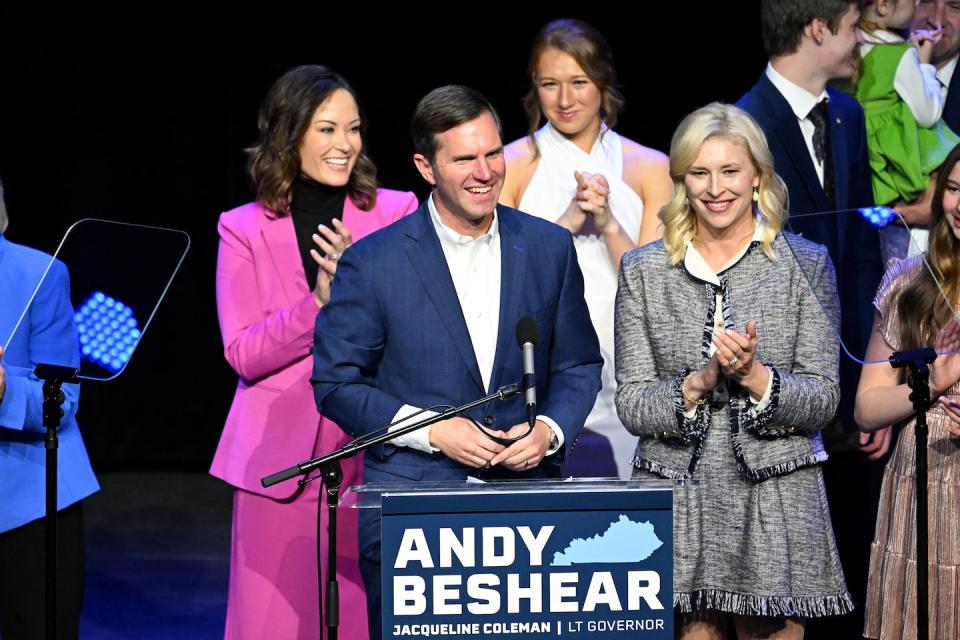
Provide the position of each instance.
(108, 331)
(878, 216)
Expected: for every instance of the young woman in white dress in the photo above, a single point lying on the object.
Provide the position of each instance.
(578, 172)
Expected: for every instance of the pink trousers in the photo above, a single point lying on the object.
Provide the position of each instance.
(273, 566)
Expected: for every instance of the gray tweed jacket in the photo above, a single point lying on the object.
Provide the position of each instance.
(664, 321)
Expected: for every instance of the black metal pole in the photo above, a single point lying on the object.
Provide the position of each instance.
(920, 394)
(51, 442)
(53, 376)
(918, 379)
(332, 478)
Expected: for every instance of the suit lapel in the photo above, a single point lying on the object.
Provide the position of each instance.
(513, 258)
(430, 264)
(787, 129)
(280, 240)
(951, 108)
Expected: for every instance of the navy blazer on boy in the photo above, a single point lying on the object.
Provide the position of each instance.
(852, 242)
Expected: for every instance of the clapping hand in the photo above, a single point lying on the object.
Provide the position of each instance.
(951, 406)
(589, 200)
(945, 370)
(332, 243)
(736, 351)
(737, 355)
(591, 196)
(699, 384)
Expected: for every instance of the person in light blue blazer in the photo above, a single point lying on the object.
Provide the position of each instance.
(46, 335)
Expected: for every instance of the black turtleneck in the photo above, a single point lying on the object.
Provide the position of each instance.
(313, 204)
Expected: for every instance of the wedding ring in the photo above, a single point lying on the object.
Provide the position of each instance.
(733, 361)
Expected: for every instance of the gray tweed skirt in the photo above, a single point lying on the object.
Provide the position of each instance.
(753, 548)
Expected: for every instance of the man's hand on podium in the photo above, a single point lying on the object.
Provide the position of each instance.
(526, 453)
(458, 439)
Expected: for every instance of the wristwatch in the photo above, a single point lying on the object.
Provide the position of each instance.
(554, 441)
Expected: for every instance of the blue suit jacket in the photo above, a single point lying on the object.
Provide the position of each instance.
(393, 333)
(951, 108)
(46, 335)
(853, 244)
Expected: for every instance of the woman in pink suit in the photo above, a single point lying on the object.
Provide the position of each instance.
(316, 193)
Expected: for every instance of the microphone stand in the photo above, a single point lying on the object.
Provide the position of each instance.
(54, 377)
(332, 476)
(918, 379)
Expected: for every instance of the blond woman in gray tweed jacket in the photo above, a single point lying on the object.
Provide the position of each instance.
(726, 360)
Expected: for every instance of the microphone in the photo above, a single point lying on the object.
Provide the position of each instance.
(527, 336)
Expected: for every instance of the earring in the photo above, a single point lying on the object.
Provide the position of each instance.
(756, 195)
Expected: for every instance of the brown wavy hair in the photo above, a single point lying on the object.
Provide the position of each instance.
(590, 50)
(922, 307)
(283, 121)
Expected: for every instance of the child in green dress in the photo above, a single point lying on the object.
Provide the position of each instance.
(902, 101)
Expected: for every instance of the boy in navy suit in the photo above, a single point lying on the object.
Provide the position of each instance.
(818, 140)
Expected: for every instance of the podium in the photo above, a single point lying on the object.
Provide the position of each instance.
(547, 558)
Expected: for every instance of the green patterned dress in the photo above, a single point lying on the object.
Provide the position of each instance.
(902, 153)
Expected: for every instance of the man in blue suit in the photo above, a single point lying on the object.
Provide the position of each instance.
(422, 315)
(818, 140)
(943, 15)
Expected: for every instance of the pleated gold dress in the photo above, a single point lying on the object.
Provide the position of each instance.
(891, 607)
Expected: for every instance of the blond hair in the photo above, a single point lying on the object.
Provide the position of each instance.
(733, 124)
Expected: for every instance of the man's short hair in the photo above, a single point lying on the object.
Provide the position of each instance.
(443, 109)
(782, 21)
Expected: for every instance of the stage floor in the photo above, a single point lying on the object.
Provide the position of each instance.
(158, 548)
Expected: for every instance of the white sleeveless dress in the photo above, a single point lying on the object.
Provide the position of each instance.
(547, 196)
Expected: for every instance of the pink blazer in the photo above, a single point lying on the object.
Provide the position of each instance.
(267, 313)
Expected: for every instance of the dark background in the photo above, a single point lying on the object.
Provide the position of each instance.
(143, 118)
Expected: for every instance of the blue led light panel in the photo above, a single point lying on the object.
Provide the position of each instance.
(108, 331)
(878, 216)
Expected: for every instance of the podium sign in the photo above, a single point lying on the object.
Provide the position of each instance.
(546, 559)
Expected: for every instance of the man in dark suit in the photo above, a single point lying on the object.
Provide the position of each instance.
(936, 18)
(817, 136)
(818, 140)
(422, 314)
(944, 15)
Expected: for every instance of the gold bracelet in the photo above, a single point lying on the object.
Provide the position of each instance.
(686, 396)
